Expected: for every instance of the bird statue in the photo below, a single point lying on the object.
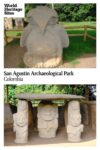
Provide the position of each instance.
(43, 38)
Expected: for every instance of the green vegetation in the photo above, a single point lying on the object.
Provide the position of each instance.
(78, 47)
(92, 23)
(49, 89)
(14, 33)
(71, 12)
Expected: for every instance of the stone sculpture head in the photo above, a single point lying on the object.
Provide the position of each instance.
(47, 112)
(21, 120)
(74, 106)
(22, 105)
(44, 38)
(42, 16)
(74, 118)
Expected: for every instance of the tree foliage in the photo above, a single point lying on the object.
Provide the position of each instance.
(71, 12)
(48, 89)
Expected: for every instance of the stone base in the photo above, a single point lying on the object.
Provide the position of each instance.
(51, 133)
(74, 133)
(74, 138)
(21, 141)
(32, 61)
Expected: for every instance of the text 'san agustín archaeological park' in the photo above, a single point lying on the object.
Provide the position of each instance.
(51, 36)
(49, 114)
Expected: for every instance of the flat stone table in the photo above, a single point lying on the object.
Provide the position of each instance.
(49, 120)
(30, 97)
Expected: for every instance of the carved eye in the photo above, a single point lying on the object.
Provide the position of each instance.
(31, 21)
(53, 20)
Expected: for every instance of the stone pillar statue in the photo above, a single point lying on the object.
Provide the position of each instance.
(74, 127)
(47, 120)
(44, 39)
(19, 22)
(21, 122)
(8, 23)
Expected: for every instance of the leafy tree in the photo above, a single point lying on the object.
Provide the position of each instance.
(71, 12)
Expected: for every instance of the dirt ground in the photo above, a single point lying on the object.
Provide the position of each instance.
(88, 139)
(13, 58)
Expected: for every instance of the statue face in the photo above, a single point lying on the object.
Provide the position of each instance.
(74, 116)
(48, 112)
(42, 16)
(74, 107)
(75, 119)
(22, 105)
(21, 120)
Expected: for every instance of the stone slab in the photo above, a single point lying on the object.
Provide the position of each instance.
(29, 97)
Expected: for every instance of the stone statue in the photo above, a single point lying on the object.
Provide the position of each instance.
(21, 128)
(47, 120)
(44, 39)
(19, 22)
(22, 106)
(20, 125)
(74, 127)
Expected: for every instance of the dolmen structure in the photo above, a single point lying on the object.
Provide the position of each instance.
(47, 116)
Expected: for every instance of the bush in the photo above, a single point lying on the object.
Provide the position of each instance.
(71, 12)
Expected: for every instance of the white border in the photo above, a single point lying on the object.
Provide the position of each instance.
(83, 76)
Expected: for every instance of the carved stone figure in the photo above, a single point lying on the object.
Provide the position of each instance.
(8, 23)
(21, 128)
(21, 122)
(74, 127)
(44, 38)
(22, 106)
(74, 133)
(19, 22)
(47, 120)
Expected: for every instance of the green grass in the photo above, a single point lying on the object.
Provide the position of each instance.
(78, 23)
(72, 31)
(79, 47)
(13, 33)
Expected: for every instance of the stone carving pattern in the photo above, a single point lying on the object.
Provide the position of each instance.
(47, 120)
(74, 127)
(21, 122)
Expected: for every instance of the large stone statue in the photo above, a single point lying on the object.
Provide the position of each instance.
(74, 127)
(44, 38)
(20, 126)
(47, 120)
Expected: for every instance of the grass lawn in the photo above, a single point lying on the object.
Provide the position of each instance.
(77, 47)
(13, 33)
(92, 23)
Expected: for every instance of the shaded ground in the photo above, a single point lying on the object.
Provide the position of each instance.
(13, 58)
(88, 137)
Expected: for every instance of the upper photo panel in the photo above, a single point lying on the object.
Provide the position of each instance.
(51, 36)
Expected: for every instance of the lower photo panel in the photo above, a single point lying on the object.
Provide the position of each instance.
(49, 114)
